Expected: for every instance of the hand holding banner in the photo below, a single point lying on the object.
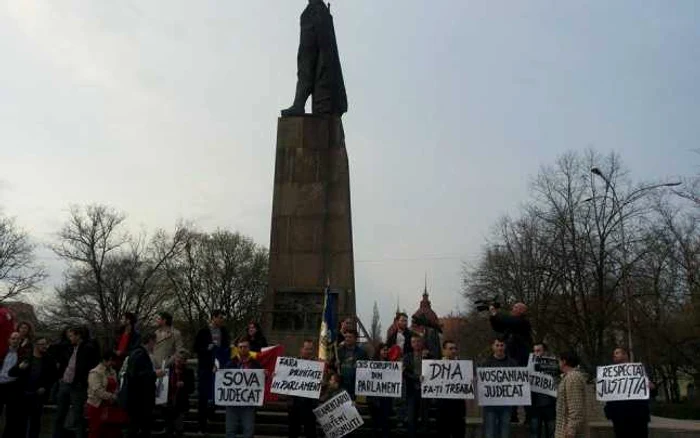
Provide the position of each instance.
(378, 378)
(237, 387)
(338, 416)
(447, 379)
(297, 377)
(625, 381)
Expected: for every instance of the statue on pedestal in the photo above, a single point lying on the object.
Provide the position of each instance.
(318, 65)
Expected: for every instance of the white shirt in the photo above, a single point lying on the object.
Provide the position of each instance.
(400, 339)
(10, 361)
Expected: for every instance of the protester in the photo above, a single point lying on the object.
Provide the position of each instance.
(516, 330)
(10, 389)
(543, 410)
(255, 337)
(399, 334)
(497, 418)
(26, 336)
(451, 413)
(180, 386)
(7, 326)
(348, 355)
(333, 387)
(301, 408)
(35, 377)
(571, 399)
(380, 407)
(412, 371)
(138, 394)
(105, 419)
(168, 340)
(211, 343)
(630, 418)
(72, 389)
(345, 325)
(242, 417)
(128, 339)
(430, 332)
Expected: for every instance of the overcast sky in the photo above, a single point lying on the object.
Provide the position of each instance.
(168, 110)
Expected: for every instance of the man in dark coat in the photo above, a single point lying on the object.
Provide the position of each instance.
(72, 390)
(318, 65)
(516, 330)
(180, 386)
(35, 377)
(212, 343)
(138, 394)
(630, 418)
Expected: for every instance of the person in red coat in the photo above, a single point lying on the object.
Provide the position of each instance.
(7, 326)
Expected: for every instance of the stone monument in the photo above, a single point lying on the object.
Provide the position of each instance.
(311, 232)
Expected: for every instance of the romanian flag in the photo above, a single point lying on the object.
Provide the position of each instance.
(267, 359)
(329, 326)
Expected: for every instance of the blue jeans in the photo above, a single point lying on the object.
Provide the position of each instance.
(497, 421)
(541, 427)
(240, 416)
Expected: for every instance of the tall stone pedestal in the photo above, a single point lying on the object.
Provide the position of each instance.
(311, 233)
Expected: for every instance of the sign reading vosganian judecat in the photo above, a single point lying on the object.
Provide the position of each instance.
(505, 386)
(447, 379)
(297, 377)
(625, 381)
(378, 378)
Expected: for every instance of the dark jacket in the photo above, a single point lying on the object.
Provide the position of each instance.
(87, 358)
(518, 334)
(47, 374)
(347, 359)
(236, 364)
(628, 411)
(391, 339)
(205, 356)
(492, 362)
(257, 343)
(412, 371)
(181, 401)
(139, 388)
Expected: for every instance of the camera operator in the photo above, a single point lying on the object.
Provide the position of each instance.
(516, 330)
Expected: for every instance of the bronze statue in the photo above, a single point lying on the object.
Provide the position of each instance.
(318, 65)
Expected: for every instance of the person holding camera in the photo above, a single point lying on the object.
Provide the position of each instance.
(517, 332)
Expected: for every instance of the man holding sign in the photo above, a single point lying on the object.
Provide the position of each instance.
(459, 387)
(543, 412)
(491, 387)
(240, 393)
(301, 409)
(630, 417)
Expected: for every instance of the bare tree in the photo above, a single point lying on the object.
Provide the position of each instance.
(19, 272)
(110, 272)
(220, 270)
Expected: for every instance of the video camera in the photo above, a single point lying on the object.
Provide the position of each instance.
(484, 305)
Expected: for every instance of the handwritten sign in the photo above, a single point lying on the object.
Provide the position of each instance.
(297, 377)
(338, 416)
(239, 387)
(625, 381)
(506, 386)
(543, 372)
(378, 379)
(452, 379)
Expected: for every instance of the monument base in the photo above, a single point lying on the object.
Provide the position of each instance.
(311, 231)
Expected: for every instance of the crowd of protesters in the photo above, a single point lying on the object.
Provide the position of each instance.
(112, 391)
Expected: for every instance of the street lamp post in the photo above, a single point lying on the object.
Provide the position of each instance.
(618, 207)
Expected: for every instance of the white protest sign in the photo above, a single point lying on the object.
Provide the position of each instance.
(338, 416)
(297, 377)
(504, 386)
(239, 387)
(625, 381)
(542, 379)
(378, 378)
(447, 379)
